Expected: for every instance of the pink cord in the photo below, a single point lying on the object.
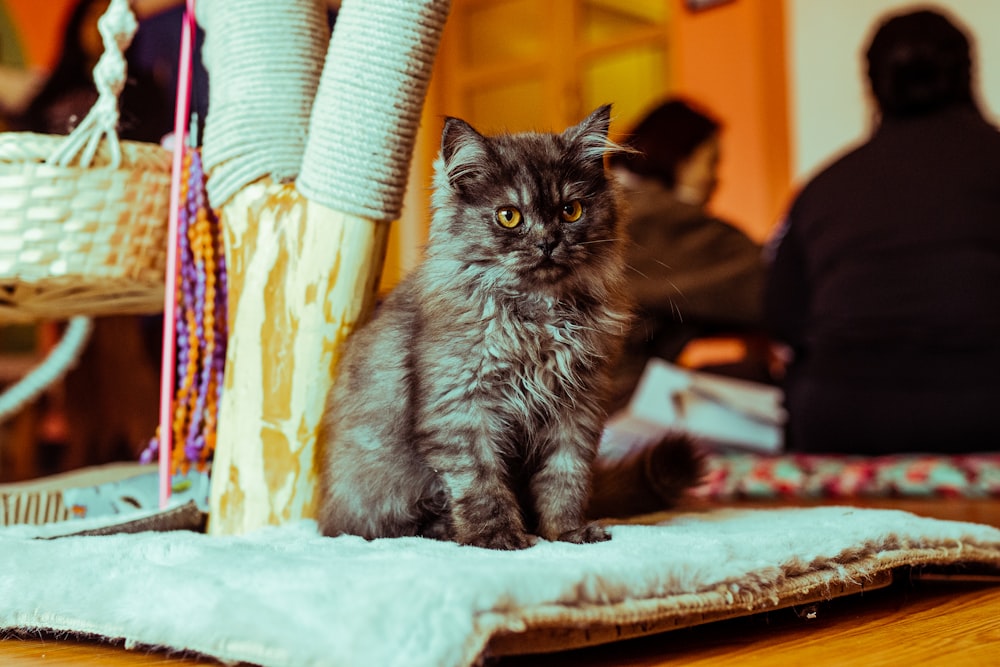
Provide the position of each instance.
(181, 112)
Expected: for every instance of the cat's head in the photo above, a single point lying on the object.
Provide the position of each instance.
(527, 212)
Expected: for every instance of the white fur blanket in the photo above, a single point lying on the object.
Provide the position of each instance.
(286, 596)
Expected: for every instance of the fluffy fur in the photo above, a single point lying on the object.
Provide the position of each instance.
(471, 407)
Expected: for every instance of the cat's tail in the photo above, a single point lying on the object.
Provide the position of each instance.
(649, 480)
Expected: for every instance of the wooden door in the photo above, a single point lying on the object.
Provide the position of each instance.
(544, 64)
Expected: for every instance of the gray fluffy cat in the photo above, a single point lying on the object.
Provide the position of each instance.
(470, 408)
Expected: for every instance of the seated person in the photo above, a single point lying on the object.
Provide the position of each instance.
(691, 274)
(884, 284)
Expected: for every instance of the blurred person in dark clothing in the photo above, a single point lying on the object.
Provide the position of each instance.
(691, 273)
(885, 285)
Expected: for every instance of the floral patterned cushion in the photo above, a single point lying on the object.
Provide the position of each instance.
(733, 476)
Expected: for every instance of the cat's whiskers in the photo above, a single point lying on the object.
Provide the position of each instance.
(597, 241)
(675, 309)
(635, 270)
(677, 289)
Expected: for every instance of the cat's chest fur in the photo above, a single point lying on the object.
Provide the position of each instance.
(537, 336)
(533, 354)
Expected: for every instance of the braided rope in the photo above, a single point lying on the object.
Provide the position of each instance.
(265, 60)
(368, 106)
(60, 359)
(117, 27)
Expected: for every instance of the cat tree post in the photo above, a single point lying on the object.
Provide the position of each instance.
(304, 250)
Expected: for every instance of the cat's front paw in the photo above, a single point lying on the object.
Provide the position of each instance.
(502, 540)
(586, 534)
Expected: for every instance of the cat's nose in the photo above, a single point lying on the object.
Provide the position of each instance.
(547, 246)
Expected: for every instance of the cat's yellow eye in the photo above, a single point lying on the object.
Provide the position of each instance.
(508, 217)
(572, 211)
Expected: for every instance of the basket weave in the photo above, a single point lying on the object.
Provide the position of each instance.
(81, 241)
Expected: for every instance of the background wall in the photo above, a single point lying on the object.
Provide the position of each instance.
(39, 26)
(732, 58)
(828, 98)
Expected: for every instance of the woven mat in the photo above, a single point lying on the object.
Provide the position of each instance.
(286, 596)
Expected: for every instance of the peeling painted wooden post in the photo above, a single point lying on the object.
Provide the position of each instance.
(304, 250)
(318, 271)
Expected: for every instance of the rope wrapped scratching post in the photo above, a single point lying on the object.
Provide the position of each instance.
(304, 257)
(265, 60)
(368, 106)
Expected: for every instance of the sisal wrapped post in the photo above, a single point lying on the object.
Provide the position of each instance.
(304, 258)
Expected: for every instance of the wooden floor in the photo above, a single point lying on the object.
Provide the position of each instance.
(923, 621)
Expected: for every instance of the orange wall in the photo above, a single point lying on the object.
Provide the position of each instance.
(731, 58)
(39, 24)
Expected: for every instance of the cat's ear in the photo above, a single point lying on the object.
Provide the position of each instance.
(462, 150)
(590, 136)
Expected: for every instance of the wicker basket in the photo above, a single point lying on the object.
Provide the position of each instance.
(81, 241)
